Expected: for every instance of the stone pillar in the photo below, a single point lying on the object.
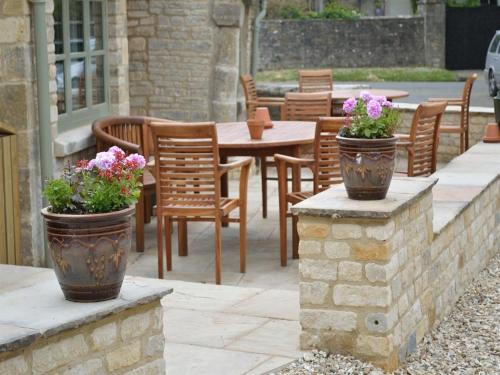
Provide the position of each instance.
(358, 266)
(229, 18)
(434, 13)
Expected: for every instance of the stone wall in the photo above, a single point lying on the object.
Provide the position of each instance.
(130, 342)
(185, 58)
(375, 277)
(367, 42)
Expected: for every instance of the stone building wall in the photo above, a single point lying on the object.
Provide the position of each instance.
(185, 58)
(367, 42)
(375, 277)
(130, 343)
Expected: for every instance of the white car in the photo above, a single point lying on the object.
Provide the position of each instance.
(492, 66)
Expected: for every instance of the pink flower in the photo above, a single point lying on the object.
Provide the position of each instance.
(117, 152)
(349, 105)
(135, 161)
(365, 96)
(380, 99)
(374, 109)
(387, 104)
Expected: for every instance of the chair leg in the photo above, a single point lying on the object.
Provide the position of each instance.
(139, 224)
(168, 243)
(159, 244)
(218, 250)
(263, 178)
(182, 237)
(295, 237)
(243, 238)
(148, 209)
(282, 189)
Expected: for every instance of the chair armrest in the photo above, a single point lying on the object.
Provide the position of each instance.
(279, 158)
(449, 101)
(105, 138)
(271, 99)
(224, 168)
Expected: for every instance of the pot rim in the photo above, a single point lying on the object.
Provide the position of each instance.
(371, 140)
(87, 217)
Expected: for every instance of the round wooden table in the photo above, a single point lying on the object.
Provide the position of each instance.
(285, 137)
(341, 95)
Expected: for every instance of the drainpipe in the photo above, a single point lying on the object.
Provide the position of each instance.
(255, 41)
(42, 86)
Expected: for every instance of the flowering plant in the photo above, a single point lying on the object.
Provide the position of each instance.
(369, 117)
(110, 182)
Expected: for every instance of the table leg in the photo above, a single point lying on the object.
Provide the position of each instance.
(224, 185)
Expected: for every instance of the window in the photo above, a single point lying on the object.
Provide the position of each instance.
(80, 39)
(494, 44)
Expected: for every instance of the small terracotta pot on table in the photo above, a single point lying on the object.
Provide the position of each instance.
(255, 128)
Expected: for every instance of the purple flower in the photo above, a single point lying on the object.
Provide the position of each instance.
(103, 161)
(117, 152)
(374, 109)
(365, 96)
(387, 104)
(136, 160)
(349, 105)
(380, 99)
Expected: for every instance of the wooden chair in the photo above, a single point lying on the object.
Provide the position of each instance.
(315, 80)
(131, 135)
(464, 103)
(252, 101)
(188, 188)
(326, 171)
(422, 142)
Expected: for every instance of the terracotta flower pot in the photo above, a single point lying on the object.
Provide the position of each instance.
(367, 166)
(89, 252)
(262, 114)
(256, 128)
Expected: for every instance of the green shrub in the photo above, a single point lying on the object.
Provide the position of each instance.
(464, 3)
(333, 10)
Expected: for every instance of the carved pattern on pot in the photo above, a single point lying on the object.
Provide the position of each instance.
(353, 164)
(117, 255)
(56, 246)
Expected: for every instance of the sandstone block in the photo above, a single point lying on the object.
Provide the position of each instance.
(350, 271)
(382, 273)
(363, 250)
(103, 336)
(157, 318)
(309, 247)
(328, 320)
(381, 322)
(90, 367)
(361, 295)
(381, 232)
(58, 354)
(313, 293)
(155, 345)
(318, 269)
(135, 326)
(346, 231)
(374, 346)
(313, 230)
(337, 250)
(152, 368)
(15, 365)
(124, 356)
(14, 30)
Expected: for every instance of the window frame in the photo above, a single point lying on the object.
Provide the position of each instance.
(72, 119)
(496, 39)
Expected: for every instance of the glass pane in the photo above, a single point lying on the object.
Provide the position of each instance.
(76, 25)
(97, 79)
(78, 83)
(58, 27)
(61, 100)
(95, 25)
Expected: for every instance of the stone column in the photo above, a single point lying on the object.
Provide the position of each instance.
(434, 13)
(229, 18)
(360, 272)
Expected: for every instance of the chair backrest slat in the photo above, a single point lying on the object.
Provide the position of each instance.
(187, 159)
(250, 91)
(424, 136)
(315, 80)
(464, 120)
(306, 106)
(326, 153)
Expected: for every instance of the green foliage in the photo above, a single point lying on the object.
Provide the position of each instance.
(59, 193)
(333, 10)
(463, 3)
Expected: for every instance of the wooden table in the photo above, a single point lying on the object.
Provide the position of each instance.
(285, 137)
(341, 95)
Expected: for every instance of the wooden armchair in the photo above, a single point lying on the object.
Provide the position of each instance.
(326, 171)
(131, 135)
(464, 103)
(422, 142)
(315, 80)
(252, 100)
(188, 188)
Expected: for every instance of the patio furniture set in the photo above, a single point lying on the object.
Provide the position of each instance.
(189, 173)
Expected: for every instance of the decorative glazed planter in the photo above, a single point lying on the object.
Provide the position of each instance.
(89, 252)
(367, 166)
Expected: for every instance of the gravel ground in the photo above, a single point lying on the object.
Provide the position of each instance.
(466, 342)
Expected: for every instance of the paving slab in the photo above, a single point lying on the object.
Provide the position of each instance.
(269, 365)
